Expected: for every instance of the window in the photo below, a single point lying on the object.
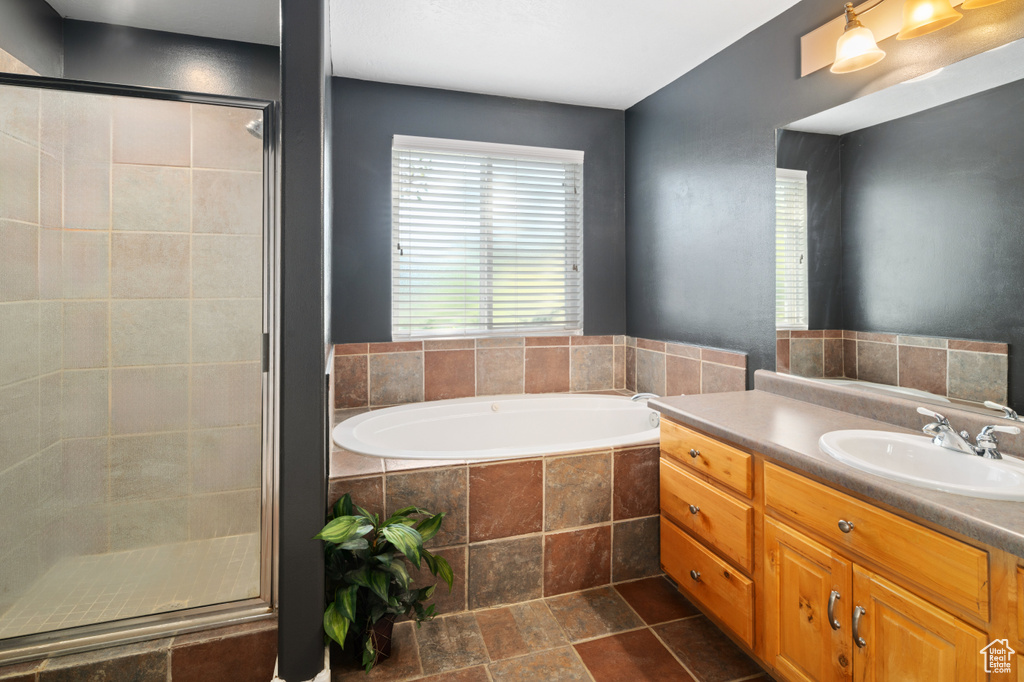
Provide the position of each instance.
(790, 249)
(487, 239)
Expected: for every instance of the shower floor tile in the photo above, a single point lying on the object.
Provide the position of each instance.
(103, 587)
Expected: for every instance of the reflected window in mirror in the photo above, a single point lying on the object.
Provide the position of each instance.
(791, 290)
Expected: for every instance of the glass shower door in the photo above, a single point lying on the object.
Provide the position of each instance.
(132, 473)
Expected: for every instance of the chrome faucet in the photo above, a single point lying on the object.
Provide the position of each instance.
(946, 436)
(644, 396)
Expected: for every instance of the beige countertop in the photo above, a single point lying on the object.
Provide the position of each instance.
(786, 430)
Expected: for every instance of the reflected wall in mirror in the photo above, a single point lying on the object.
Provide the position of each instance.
(915, 234)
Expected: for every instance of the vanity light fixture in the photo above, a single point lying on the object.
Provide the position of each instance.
(975, 4)
(856, 49)
(921, 17)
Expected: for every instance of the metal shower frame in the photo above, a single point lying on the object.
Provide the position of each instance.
(155, 626)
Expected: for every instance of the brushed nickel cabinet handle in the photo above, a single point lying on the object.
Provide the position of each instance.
(695, 575)
(845, 526)
(694, 453)
(694, 509)
(858, 611)
(832, 599)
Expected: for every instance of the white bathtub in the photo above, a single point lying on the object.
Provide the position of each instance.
(499, 427)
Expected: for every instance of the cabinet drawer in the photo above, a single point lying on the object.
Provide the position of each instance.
(950, 568)
(725, 464)
(720, 519)
(716, 585)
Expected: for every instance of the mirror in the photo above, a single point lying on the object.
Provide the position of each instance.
(915, 235)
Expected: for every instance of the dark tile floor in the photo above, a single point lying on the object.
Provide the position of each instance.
(634, 631)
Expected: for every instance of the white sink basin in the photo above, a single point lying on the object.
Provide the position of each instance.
(919, 462)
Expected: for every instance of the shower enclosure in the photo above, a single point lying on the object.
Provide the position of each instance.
(136, 481)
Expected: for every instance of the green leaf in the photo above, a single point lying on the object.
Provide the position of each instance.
(369, 654)
(398, 570)
(431, 561)
(356, 544)
(343, 507)
(428, 527)
(365, 514)
(379, 583)
(444, 571)
(407, 540)
(405, 511)
(426, 593)
(385, 558)
(345, 601)
(343, 529)
(359, 576)
(336, 625)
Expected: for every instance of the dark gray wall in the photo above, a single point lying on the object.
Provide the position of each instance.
(305, 224)
(700, 166)
(134, 56)
(819, 155)
(933, 224)
(30, 30)
(367, 114)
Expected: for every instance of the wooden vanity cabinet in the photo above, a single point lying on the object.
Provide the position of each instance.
(904, 637)
(927, 603)
(801, 640)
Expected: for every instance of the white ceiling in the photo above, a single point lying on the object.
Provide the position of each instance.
(604, 53)
(249, 21)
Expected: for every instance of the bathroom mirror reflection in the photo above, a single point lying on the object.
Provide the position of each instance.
(914, 235)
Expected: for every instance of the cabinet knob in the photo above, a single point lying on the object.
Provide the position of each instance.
(694, 453)
(694, 509)
(845, 526)
(695, 575)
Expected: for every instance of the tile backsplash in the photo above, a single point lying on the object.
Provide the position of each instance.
(965, 370)
(379, 374)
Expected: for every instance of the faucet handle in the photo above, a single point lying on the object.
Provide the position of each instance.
(992, 428)
(939, 419)
(1008, 412)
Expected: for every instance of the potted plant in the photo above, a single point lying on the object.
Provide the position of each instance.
(368, 582)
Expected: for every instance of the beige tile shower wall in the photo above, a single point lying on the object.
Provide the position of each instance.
(379, 374)
(30, 444)
(966, 370)
(11, 64)
(130, 385)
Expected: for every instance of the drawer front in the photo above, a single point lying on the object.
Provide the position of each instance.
(716, 585)
(727, 465)
(718, 518)
(950, 568)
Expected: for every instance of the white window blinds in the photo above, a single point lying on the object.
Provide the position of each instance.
(790, 249)
(487, 239)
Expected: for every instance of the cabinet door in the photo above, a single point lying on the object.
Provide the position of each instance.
(906, 638)
(800, 577)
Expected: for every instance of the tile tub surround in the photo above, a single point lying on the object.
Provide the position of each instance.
(966, 370)
(382, 374)
(641, 630)
(522, 529)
